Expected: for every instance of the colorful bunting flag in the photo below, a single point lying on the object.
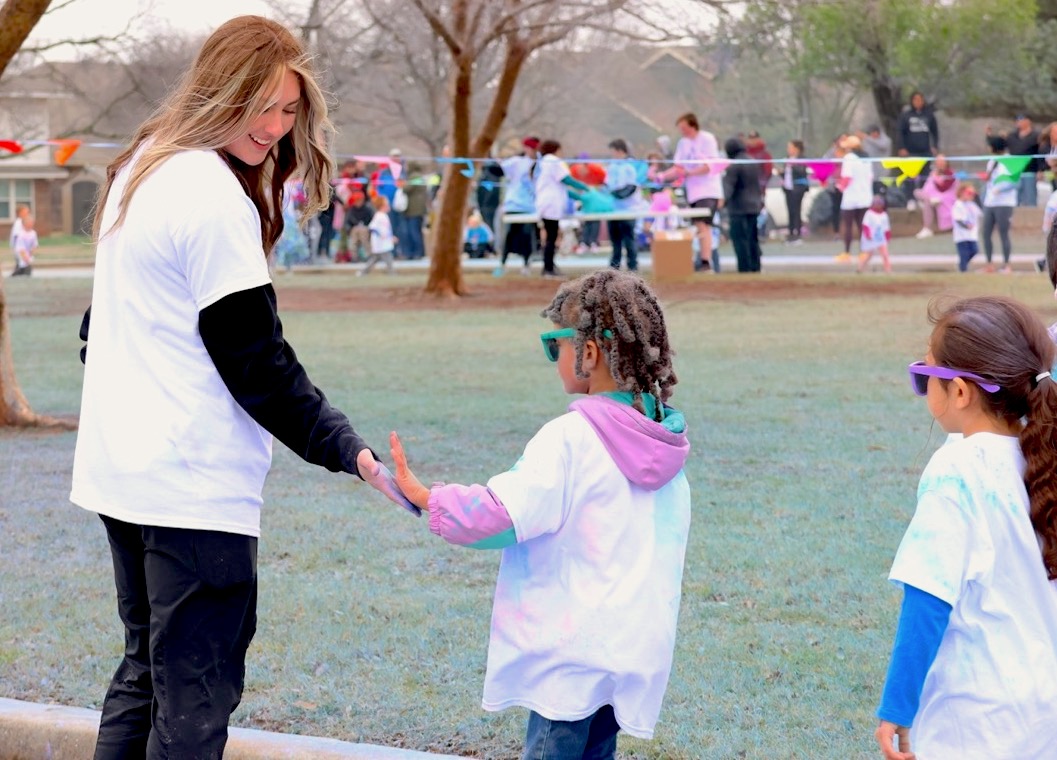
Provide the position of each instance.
(822, 170)
(10, 146)
(64, 149)
(908, 167)
(1014, 167)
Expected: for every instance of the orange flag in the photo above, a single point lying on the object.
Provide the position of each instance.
(65, 149)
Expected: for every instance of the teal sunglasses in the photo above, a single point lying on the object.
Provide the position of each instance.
(550, 340)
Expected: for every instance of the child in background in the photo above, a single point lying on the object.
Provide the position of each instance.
(966, 217)
(382, 240)
(973, 672)
(477, 239)
(25, 244)
(20, 214)
(876, 232)
(593, 522)
(1047, 224)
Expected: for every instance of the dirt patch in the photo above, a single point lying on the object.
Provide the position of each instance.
(530, 292)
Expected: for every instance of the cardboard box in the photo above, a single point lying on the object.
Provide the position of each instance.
(673, 255)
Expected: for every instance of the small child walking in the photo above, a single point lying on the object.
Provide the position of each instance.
(876, 232)
(382, 239)
(966, 215)
(25, 243)
(973, 672)
(593, 522)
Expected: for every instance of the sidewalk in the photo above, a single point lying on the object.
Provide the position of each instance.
(30, 731)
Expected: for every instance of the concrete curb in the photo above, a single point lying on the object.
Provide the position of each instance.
(30, 731)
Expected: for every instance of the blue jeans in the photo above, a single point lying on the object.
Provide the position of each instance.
(399, 222)
(966, 250)
(592, 738)
(1028, 192)
(622, 235)
(414, 247)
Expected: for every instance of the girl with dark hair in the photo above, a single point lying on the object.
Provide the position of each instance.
(552, 181)
(593, 522)
(974, 665)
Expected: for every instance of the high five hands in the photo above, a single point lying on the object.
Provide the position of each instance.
(406, 481)
(378, 476)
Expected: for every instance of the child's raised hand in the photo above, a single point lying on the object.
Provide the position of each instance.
(377, 475)
(412, 487)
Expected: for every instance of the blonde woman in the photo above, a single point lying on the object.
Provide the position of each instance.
(188, 377)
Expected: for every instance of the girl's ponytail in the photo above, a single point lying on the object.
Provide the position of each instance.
(1038, 441)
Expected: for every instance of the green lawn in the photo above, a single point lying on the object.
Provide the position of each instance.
(807, 445)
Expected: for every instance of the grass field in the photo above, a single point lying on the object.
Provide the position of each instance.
(807, 445)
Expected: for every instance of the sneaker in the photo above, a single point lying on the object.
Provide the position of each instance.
(912, 206)
(702, 266)
(1007, 269)
(843, 257)
(497, 272)
(925, 233)
(1040, 265)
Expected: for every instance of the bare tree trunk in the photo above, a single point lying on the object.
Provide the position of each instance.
(445, 274)
(17, 19)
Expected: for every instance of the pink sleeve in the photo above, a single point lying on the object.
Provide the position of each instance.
(470, 516)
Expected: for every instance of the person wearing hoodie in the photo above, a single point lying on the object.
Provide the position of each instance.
(742, 194)
(756, 147)
(592, 521)
(919, 134)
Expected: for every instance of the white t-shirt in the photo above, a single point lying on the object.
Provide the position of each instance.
(551, 194)
(992, 690)
(875, 228)
(968, 213)
(381, 228)
(1049, 212)
(859, 192)
(701, 146)
(1000, 190)
(25, 242)
(585, 612)
(161, 440)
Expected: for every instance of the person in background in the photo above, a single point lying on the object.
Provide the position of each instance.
(743, 195)
(703, 184)
(622, 183)
(877, 145)
(415, 213)
(477, 238)
(390, 176)
(966, 215)
(856, 185)
(25, 246)
(936, 198)
(554, 185)
(520, 198)
(489, 191)
(1024, 141)
(757, 150)
(794, 186)
(326, 224)
(919, 134)
(876, 232)
(1000, 198)
(383, 241)
(21, 212)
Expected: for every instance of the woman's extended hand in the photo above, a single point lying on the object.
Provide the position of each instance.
(377, 475)
(412, 487)
(886, 734)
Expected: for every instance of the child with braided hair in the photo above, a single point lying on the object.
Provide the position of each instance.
(973, 672)
(593, 522)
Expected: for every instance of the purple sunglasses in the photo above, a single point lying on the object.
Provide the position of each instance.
(921, 372)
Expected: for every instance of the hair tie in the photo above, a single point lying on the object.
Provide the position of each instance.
(1042, 376)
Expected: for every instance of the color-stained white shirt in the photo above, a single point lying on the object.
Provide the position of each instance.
(875, 229)
(859, 191)
(586, 602)
(162, 441)
(551, 192)
(992, 690)
(966, 217)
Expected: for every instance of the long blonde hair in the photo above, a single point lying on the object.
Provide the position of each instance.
(238, 68)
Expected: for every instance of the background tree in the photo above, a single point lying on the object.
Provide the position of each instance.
(17, 19)
(890, 48)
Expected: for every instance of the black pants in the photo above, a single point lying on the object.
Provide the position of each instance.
(550, 227)
(520, 239)
(746, 242)
(794, 202)
(188, 601)
(622, 236)
(851, 223)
